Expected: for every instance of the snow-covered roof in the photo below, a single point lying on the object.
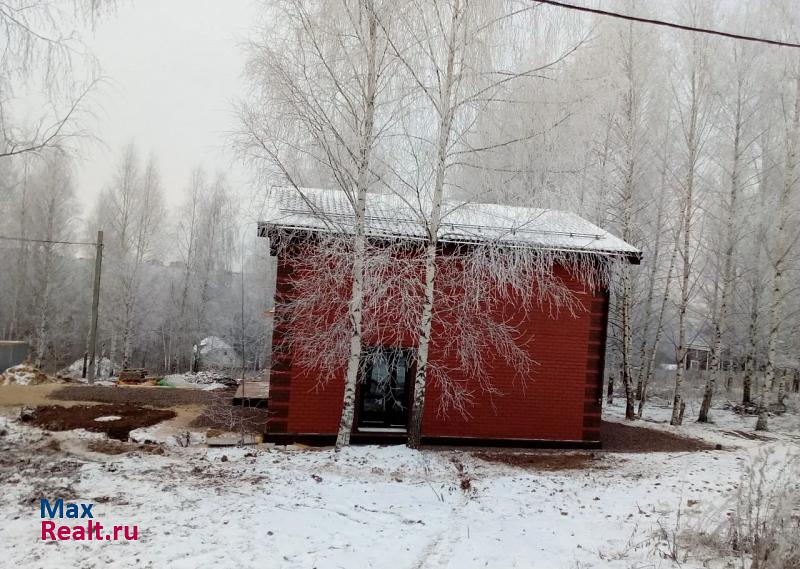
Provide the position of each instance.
(390, 215)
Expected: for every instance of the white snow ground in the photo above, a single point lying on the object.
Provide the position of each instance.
(382, 507)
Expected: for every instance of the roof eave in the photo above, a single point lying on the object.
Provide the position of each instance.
(632, 257)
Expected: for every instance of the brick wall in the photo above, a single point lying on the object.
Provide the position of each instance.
(559, 400)
(280, 376)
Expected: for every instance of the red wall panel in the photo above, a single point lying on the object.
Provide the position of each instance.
(559, 400)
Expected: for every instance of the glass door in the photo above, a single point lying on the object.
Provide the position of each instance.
(384, 392)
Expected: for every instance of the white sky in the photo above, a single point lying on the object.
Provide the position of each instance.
(175, 69)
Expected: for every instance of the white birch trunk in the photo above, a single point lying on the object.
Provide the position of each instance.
(685, 252)
(780, 253)
(355, 306)
(22, 257)
(644, 360)
(651, 360)
(44, 305)
(752, 337)
(434, 220)
(721, 319)
(630, 131)
(755, 295)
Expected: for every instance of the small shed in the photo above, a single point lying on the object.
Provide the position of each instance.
(214, 353)
(698, 357)
(562, 405)
(12, 353)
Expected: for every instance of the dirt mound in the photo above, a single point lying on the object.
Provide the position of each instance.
(616, 437)
(57, 418)
(113, 447)
(25, 374)
(156, 396)
(619, 437)
(543, 460)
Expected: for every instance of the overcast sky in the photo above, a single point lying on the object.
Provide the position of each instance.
(174, 68)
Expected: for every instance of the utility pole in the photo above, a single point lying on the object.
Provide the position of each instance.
(98, 264)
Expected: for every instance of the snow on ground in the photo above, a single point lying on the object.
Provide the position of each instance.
(166, 434)
(725, 427)
(363, 507)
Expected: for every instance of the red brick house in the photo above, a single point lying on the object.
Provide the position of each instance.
(562, 405)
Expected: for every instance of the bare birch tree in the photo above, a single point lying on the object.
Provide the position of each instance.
(692, 95)
(782, 247)
(130, 209)
(741, 114)
(652, 331)
(629, 132)
(755, 280)
(336, 48)
(457, 76)
(53, 208)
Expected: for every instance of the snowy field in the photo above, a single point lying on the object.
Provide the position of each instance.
(371, 506)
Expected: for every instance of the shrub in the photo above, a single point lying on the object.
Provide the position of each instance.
(763, 522)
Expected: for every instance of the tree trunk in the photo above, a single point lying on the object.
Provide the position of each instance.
(630, 130)
(780, 253)
(415, 426)
(692, 147)
(627, 376)
(426, 320)
(683, 307)
(355, 307)
(781, 395)
(651, 361)
(752, 334)
(44, 309)
(22, 258)
(127, 326)
(646, 363)
(727, 271)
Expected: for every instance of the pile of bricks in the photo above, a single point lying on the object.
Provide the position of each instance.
(132, 376)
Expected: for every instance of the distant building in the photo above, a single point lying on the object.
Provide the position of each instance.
(698, 357)
(216, 354)
(12, 353)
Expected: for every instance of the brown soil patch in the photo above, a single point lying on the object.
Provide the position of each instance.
(619, 437)
(114, 447)
(28, 395)
(57, 418)
(543, 460)
(616, 437)
(157, 396)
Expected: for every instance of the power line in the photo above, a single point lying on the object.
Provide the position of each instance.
(667, 24)
(25, 240)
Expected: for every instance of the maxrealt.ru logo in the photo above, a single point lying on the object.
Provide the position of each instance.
(91, 530)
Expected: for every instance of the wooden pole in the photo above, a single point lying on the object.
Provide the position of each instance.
(98, 264)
